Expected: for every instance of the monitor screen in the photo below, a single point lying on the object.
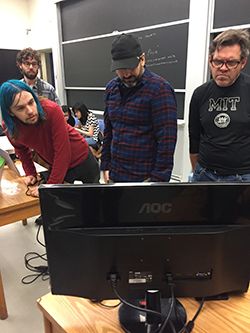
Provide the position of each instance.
(197, 233)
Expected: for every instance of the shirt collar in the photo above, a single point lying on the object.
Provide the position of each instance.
(34, 85)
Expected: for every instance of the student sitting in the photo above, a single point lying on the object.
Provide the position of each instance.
(68, 115)
(88, 123)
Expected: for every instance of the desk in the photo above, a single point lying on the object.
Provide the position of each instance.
(15, 205)
(64, 314)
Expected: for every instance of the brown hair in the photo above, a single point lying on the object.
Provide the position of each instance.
(27, 53)
(232, 37)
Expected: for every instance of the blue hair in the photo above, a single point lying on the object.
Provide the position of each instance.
(8, 92)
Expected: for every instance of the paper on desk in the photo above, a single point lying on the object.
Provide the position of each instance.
(39, 168)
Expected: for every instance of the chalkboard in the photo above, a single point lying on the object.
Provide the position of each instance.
(94, 100)
(8, 68)
(84, 18)
(87, 63)
(231, 13)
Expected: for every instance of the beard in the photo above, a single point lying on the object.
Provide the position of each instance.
(130, 82)
(31, 75)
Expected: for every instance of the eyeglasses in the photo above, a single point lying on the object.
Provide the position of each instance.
(28, 64)
(230, 64)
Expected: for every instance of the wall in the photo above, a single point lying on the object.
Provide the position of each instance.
(14, 22)
(26, 23)
(44, 35)
(29, 23)
(198, 42)
(42, 23)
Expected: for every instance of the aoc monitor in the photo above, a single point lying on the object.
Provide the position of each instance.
(143, 233)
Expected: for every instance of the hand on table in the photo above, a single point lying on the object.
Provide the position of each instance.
(106, 176)
(32, 183)
(32, 191)
(30, 180)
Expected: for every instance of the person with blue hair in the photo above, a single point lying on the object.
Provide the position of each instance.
(37, 124)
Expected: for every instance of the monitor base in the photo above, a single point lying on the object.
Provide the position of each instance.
(134, 321)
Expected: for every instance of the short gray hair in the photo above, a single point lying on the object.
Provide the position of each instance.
(231, 37)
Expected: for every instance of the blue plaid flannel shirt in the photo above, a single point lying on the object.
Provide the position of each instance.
(140, 131)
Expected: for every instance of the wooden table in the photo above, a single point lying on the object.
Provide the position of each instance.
(64, 314)
(15, 205)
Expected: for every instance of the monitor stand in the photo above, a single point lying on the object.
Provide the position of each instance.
(135, 321)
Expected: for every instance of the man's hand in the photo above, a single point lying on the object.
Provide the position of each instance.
(106, 176)
(194, 160)
(33, 191)
(30, 180)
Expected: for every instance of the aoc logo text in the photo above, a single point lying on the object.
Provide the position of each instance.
(156, 208)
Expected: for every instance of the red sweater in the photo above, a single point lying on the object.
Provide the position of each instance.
(59, 144)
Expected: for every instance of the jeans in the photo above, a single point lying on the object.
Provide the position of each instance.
(91, 141)
(206, 175)
(88, 171)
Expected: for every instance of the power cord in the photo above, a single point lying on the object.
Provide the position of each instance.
(172, 303)
(38, 270)
(37, 236)
(109, 306)
(113, 280)
(166, 318)
(187, 328)
(190, 325)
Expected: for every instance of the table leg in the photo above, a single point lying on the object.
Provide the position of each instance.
(47, 325)
(24, 222)
(3, 308)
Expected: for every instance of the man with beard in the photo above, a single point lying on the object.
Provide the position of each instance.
(29, 62)
(33, 123)
(140, 119)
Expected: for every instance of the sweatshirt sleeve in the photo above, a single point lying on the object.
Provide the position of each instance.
(60, 145)
(24, 153)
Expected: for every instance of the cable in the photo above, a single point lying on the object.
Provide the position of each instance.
(37, 236)
(38, 270)
(108, 306)
(113, 280)
(199, 309)
(166, 320)
(172, 326)
(190, 325)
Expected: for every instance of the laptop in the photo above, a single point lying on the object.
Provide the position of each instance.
(6, 159)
